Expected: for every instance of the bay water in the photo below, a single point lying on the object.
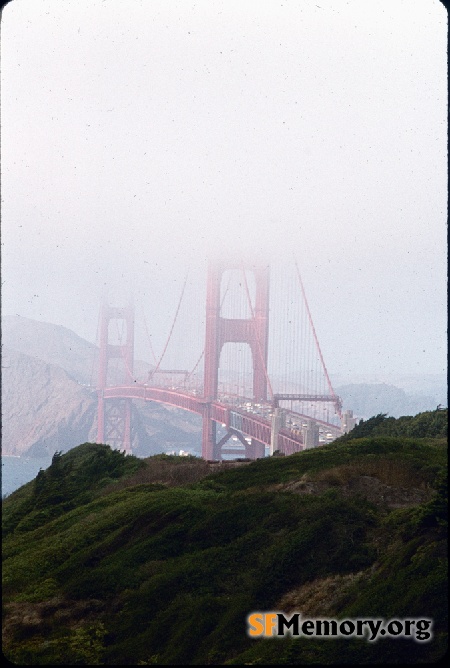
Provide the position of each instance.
(16, 471)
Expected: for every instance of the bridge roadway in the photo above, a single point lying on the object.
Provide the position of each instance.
(253, 426)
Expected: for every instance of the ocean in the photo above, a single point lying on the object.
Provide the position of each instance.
(16, 471)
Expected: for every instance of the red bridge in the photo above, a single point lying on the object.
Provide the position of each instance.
(237, 394)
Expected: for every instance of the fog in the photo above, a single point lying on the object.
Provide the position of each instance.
(140, 139)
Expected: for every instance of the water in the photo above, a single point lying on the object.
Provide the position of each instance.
(16, 471)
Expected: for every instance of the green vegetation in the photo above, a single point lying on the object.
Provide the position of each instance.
(432, 424)
(113, 560)
(72, 479)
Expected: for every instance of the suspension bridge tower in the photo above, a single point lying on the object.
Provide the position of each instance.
(114, 415)
(252, 330)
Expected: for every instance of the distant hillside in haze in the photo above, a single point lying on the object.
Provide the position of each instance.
(43, 408)
(367, 399)
(58, 345)
(52, 344)
(49, 401)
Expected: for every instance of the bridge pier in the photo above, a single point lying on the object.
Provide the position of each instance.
(209, 446)
(255, 449)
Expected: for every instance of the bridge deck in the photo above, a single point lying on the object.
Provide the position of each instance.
(251, 425)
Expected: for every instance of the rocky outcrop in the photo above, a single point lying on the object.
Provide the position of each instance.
(349, 483)
(43, 408)
(49, 400)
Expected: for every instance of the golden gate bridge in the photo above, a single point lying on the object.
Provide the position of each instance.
(259, 377)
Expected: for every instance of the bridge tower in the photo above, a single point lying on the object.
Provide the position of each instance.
(114, 415)
(219, 330)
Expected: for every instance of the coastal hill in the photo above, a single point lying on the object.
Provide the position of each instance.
(49, 401)
(114, 560)
(43, 407)
(366, 399)
(52, 344)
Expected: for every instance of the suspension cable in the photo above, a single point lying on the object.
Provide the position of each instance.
(333, 394)
(149, 338)
(173, 325)
(196, 364)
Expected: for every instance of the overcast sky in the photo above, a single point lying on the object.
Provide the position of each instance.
(140, 138)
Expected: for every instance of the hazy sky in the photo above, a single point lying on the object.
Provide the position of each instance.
(141, 137)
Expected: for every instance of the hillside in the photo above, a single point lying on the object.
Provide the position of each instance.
(58, 346)
(52, 344)
(113, 560)
(43, 408)
(49, 404)
(366, 399)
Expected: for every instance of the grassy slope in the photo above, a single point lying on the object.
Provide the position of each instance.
(167, 575)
